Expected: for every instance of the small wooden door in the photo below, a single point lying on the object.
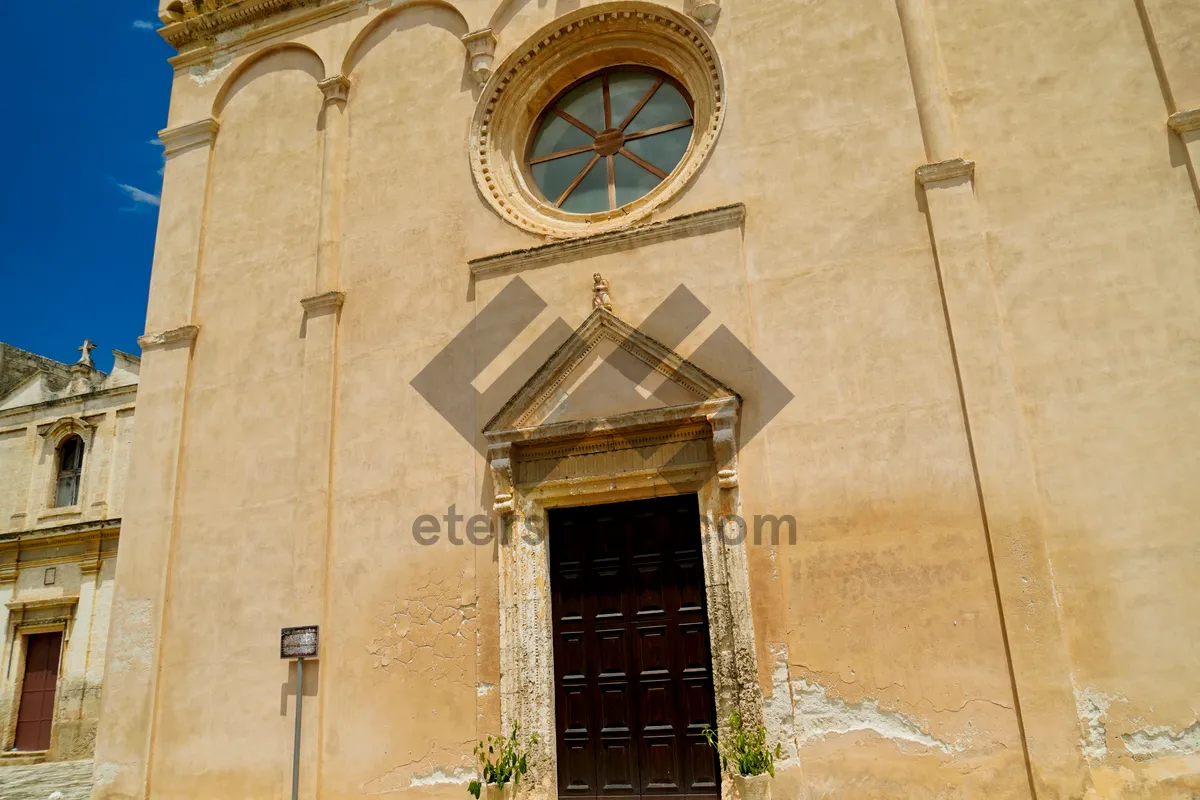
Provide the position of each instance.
(632, 666)
(35, 715)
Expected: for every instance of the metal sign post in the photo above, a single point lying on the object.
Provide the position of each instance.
(298, 643)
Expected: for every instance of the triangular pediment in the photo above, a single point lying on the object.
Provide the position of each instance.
(34, 388)
(607, 368)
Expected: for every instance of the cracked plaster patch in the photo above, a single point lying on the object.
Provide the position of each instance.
(818, 716)
(1092, 708)
(779, 712)
(430, 632)
(1160, 741)
(442, 776)
(209, 71)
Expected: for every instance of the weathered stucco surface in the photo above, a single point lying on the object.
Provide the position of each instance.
(990, 456)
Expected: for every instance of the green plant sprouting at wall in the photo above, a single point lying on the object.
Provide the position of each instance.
(501, 761)
(744, 753)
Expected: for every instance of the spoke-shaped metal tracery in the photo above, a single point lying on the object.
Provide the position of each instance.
(637, 121)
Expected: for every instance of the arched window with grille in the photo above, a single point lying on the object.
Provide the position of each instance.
(70, 470)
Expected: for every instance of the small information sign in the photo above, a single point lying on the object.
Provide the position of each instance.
(299, 642)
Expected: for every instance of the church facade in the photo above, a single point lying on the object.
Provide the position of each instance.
(66, 435)
(613, 368)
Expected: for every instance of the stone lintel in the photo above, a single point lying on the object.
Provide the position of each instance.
(321, 302)
(185, 137)
(945, 170)
(1185, 121)
(584, 246)
(185, 334)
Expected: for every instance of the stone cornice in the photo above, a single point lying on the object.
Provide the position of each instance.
(60, 534)
(187, 334)
(320, 302)
(75, 399)
(544, 255)
(945, 170)
(201, 26)
(185, 137)
(1185, 121)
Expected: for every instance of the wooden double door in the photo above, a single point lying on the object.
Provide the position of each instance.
(632, 663)
(35, 714)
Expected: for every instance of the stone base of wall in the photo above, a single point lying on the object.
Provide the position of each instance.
(39, 781)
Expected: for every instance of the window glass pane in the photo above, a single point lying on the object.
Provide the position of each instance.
(586, 104)
(553, 177)
(665, 107)
(592, 192)
(632, 181)
(625, 91)
(557, 135)
(66, 494)
(663, 150)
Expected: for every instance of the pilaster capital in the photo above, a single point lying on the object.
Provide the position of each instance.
(185, 335)
(481, 48)
(336, 88)
(1185, 121)
(185, 137)
(322, 302)
(946, 170)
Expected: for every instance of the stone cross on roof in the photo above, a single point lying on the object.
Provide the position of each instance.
(86, 348)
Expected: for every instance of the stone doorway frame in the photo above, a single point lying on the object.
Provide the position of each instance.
(526, 628)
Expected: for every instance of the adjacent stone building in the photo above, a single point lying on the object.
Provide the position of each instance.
(65, 438)
(829, 362)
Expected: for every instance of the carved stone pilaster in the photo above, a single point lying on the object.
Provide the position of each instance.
(185, 137)
(500, 458)
(185, 335)
(724, 422)
(481, 48)
(336, 89)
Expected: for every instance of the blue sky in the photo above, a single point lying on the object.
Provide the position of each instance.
(88, 93)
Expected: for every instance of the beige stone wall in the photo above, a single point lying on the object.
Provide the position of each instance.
(989, 455)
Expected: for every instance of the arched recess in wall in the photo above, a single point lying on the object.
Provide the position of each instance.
(270, 59)
(398, 19)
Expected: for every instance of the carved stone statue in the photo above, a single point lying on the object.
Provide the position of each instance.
(600, 295)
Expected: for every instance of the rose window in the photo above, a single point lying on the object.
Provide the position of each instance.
(610, 139)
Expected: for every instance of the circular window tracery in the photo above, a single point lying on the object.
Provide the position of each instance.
(514, 131)
(610, 139)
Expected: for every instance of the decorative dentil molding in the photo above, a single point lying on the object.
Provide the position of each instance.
(186, 334)
(1185, 121)
(945, 170)
(708, 12)
(322, 302)
(336, 89)
(481, 48)
(204, 19)
(185, 137)
(544, 255)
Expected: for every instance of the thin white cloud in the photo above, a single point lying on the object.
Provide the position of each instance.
(155, 142)
(138, 196)
(145, 25)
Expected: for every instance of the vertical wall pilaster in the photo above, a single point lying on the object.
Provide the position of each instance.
(1171, 27)
(315, 461)
(124, 746)
(1039, 665)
